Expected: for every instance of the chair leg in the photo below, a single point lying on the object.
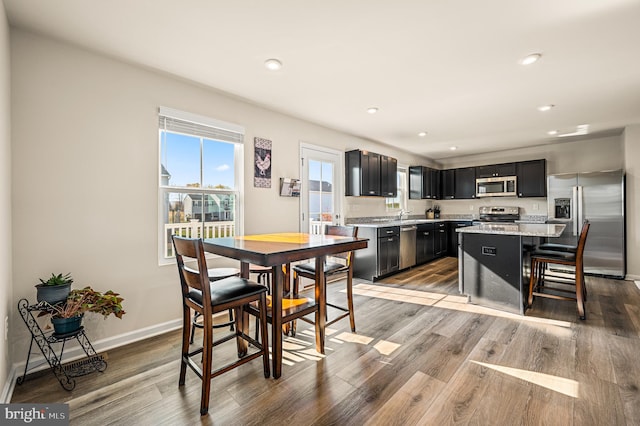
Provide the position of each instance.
(352, 316)
(265, 335)
(242, 321)
(193, 325)
(207, 353)
(186, 320)
(290, 327)
(532, 281)
(579, 292)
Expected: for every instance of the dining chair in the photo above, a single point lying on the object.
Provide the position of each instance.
(538, 281)
(308, 270)
(201, 295)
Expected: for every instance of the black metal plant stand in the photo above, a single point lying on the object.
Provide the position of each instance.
(64, 374)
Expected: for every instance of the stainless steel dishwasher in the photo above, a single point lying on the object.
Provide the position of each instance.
(407, 246)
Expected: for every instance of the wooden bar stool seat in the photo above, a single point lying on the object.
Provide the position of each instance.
(215, 274)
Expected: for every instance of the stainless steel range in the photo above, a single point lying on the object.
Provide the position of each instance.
(498, 214)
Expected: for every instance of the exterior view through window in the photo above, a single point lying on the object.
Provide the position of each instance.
(198, 188)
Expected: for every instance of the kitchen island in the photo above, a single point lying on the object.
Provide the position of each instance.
(494, 262)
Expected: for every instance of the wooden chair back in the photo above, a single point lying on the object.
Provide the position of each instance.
(192, 248)
(582, 241)
(342, 231)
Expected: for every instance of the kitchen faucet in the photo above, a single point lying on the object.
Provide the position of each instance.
(402, 212)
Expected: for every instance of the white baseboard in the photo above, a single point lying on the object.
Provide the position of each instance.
(632, 277)
(73, 353)
(5, 397)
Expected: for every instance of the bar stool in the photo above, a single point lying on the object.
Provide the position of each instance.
(207, 298)
(308, 270)
(215, 274)
(541, 258)
(264, 275)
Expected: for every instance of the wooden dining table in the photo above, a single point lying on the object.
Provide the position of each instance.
(278, 251)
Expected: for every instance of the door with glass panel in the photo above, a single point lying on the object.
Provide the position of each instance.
(321, 190)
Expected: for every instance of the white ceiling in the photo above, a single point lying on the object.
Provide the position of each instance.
(446, 67)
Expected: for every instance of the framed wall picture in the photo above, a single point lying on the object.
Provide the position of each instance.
(262, 163)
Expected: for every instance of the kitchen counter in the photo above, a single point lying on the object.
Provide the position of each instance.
(522, 229)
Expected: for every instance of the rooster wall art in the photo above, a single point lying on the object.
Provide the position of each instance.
(262, 162)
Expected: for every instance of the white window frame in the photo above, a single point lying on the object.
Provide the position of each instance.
(403, 199)
(238, 157)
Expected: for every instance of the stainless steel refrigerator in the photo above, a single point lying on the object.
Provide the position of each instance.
(598, 197)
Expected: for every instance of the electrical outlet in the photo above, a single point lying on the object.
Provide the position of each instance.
(6, 328)
(471, 207)
(535, 206)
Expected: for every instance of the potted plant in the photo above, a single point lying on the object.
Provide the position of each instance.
(55, 289)
(66, 317)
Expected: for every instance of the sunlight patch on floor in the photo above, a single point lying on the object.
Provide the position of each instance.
(637, 284)
(562, 385)
(453, 302)
(303, 347)
(354, 338)
(386, 348)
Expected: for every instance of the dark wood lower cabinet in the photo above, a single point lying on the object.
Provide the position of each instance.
(425, 243)
(441, 237)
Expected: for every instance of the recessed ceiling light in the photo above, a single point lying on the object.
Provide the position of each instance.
(453, 148)
(530, 59)
(422, 134)
(372, 110)
(273, 64)
(552, 132)
(544, 108)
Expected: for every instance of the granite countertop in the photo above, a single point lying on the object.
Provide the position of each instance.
(381, 223)
(524, 229)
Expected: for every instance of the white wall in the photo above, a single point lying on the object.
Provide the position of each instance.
(85, 170)
(6, 297)
(632, 167)
(586, 155)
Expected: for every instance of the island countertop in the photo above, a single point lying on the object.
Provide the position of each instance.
(524, 229)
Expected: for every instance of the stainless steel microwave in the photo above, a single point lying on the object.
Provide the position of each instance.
(505, 186)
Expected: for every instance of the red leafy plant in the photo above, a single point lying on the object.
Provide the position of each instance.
(87, 299)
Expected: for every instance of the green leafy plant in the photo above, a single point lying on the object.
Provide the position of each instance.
(57, 280)
(88, 300)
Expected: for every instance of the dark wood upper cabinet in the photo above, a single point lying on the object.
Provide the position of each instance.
(424, 182)
(388, 176)
(465, 182)
(496, 170)
(370, 174)
(532, 178)
(448, 187)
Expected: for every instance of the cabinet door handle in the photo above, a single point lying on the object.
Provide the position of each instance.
(390, 239)
(389, 232)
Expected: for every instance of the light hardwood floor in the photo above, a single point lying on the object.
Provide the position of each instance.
(419, 356)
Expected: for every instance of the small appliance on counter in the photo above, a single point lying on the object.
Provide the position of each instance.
(436, 212)
(430, 214)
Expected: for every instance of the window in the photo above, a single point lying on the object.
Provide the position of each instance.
(200, 178)
(399, 202)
